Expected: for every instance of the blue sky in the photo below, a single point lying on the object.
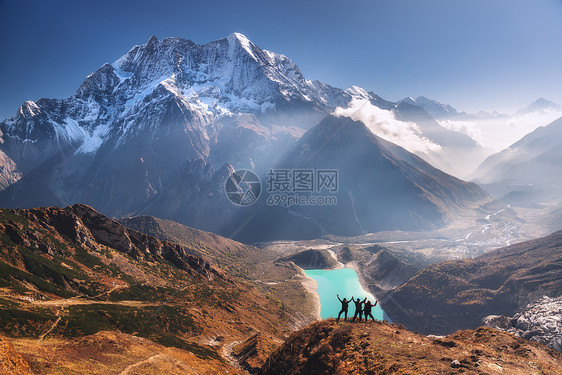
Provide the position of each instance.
(472, 54)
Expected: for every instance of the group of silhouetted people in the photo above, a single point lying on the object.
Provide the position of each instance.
(362, 308)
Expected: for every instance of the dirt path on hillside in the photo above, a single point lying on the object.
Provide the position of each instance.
(80, 301)
(52, 326)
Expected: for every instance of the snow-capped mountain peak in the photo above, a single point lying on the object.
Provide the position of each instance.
(233, 72)
(240, 39)
(28, 109)
(357, 92)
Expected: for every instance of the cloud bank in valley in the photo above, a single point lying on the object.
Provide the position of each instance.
(384, 124)
(498, 133)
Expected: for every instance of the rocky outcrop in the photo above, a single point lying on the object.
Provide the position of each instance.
(381, 348)
(91, 229)
(312, 259)
(541, 321)
(384, 271)
(111, 233)
(250, 353)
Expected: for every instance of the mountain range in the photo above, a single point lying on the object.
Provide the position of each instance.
(494, 132)
(528, 171)
(160, 130)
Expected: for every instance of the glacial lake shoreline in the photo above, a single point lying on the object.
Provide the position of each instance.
(345, 282)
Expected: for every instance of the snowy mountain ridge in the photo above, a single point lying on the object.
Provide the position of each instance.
(210, 84)
(436, 109)
(224, 77)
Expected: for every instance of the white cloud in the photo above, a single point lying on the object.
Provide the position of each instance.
(530, 121)
(384, 124)
(469, 128)
(501, 132)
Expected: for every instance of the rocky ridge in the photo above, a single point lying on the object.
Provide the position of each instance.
(540, 321)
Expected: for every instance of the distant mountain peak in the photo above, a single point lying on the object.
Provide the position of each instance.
(435, 108)
(540, 105)
(29, 109)
(152, 40)
(543, 101)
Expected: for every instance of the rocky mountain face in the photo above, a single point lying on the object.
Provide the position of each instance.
(158, 131)
(540, 321)
(444, 297)
(527, 172)
(74, 277)
(380, 269)
(380, 186)
(250, 353)
(90, 229)
(381, 348)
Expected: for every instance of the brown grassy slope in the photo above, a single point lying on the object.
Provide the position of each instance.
(457, 294)
(10, 361)
(72, 272)
(109, 352)
(379, 348)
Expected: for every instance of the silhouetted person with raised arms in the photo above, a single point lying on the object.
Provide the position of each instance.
(367, 310)
(344, 307)
(358, 308)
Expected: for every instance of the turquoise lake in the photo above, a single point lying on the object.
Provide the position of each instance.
(345, 282)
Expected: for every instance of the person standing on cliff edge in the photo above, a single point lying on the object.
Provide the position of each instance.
(344, 307)
(367, 310)
(358, 308)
